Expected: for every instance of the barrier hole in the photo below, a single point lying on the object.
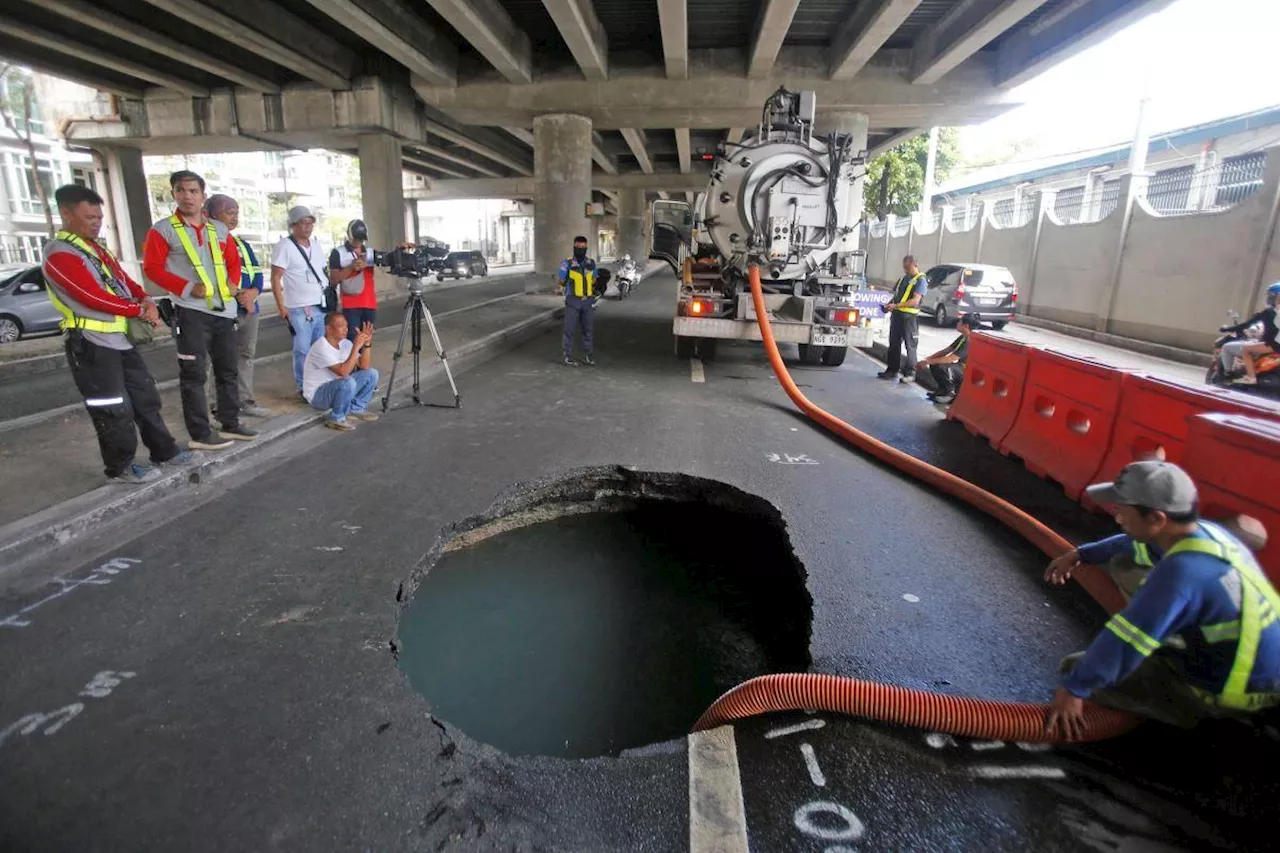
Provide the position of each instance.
(977, 378)
(1144, 449)
(1045, 407)
(1076, 422)
(1000, 388)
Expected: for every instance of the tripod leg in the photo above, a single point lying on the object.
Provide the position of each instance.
(395, 358)
(444, 360)
(418, 309)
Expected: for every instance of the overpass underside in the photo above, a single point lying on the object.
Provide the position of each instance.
(563, 102)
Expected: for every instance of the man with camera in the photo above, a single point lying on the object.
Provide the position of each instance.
(98, 301)
(351, 268)
(299, 282)
(338, 375)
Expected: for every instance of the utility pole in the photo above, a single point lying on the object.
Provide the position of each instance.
(930, 170)
(1141, 139)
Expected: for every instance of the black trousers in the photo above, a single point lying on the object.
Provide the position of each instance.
(903, 328)
(120, 395)
(199, 336)
(947, 377)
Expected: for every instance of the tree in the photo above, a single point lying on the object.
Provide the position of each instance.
(895, 179)
(16, 88)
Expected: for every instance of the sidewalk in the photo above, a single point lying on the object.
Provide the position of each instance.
(55, 461)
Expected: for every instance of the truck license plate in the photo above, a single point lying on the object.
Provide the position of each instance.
(838, 339)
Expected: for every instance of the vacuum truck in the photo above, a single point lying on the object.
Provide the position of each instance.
(786, 200)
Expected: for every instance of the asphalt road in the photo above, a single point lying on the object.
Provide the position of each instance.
(223, 681)
(28, 394)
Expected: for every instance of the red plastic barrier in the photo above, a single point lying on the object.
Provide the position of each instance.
(1235, 461)
(1064, 424)
(992, 390)
(1155, 416)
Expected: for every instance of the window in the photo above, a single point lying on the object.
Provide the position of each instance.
(1003, 212)
(1069, 204)
(21, 187)
(1110, 198)
(1169, 189)
(1239, 178)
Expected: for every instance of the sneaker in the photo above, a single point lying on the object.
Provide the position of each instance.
(363, 416)
(907, 377)
(137, 473)
(340, 426)
(1245, 380)
(589, 361)
(182, 457)
(942, 398)
(886, 374)
(569, 361)
(208, 443)
(303, 397)
(253, 410)
(238, 432)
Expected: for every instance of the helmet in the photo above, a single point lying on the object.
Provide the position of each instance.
(357, 231)
(626, 258)
(1273, 293)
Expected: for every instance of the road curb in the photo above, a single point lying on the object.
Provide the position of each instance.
(29, 539)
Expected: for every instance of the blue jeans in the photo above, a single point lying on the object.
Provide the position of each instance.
(579, 314)
(305, 333)
(346, 395)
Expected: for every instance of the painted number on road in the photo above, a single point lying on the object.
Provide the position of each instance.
(100, 576)
(51, 722)
(790, 459)
(821, 820)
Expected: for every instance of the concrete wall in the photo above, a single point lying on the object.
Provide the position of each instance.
(1172, 284)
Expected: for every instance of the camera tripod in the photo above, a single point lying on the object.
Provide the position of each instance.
(415, 312)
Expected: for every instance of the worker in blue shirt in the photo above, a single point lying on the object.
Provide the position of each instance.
(226, 210)
(581, 290)
(1199, 638)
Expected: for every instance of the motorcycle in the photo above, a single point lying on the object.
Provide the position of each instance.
(628, 277)
(1268, 366)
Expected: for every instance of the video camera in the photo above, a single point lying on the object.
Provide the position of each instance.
(418, 261)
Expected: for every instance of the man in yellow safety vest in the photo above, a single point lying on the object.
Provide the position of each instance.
(904, 315)
(577, 276)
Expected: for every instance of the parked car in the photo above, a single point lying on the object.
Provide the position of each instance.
(460, 264)
(25, 308)
(957, 289)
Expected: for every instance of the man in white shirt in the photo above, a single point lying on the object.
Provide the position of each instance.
(298, 280)
(338, 375)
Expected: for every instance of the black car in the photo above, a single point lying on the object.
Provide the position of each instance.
(463, 264)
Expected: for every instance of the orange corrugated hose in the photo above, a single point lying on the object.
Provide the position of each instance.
(1018, 721)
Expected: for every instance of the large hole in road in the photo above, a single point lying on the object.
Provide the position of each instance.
(603, 611)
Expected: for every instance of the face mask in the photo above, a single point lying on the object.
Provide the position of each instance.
(579, 253)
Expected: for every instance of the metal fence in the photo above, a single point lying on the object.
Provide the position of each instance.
(901, 227)
(1068, 205)
(1186, 189)
(877, 228)
(929, 222)
(1008, 213)
(1109, 202)
(965, 218)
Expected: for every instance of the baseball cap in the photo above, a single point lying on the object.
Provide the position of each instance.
(1156, 485)
(299, 213)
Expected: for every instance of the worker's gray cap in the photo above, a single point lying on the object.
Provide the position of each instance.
(299, 213)
(1155, 485)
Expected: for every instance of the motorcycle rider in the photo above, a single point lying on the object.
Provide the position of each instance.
(1249, 351)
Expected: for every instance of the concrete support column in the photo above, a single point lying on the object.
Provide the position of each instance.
(631, 211)
(128, 204)
(562, 189)
(411, 224)
(856, 124)
(382, 188)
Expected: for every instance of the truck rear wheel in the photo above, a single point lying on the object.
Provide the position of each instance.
(810, 354)
(834, 356)
(707, 348)
(684, 346)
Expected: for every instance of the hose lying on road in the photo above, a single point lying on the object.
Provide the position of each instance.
(939, 712)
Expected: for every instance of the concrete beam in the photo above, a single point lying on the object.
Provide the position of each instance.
(717, 96)
(461, 139)
(102, 58)
(895, 140)
(523, 187)
(965, 30)
(525, 136)
(673, 18)
(274, 33)
(1064, 33)
(683, 148)
(400, 33)
(600, 156)
(38, 60)
(734, 134)
(581, 31)
(440, 153)
(486, 25)
(419, 163)
(112, 25)
(635, 141)
(865, 32)
(771, 30)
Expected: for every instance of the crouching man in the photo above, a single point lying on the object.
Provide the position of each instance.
(338, 376)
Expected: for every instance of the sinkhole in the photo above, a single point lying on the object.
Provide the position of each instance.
(602, 611)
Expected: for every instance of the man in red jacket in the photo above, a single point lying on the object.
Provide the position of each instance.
(96, 298)
(194, 258)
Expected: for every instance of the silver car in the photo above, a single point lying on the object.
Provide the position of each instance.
(958, 289)
(25, 308)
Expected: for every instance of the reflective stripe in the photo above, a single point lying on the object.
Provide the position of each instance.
(1259, 604)
(219, 263)
(583, 282)
(1142, 555)
(117, 325)
(246, 266)
(1132, 634)
(906, 294)
(104, 401)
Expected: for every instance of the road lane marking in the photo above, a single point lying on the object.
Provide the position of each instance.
(783, 731)
(696, 372)
(811, 763)
(852, 830)
(95, 578)
(985, 771)
(717, 814)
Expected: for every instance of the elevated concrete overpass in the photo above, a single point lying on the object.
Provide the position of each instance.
(564, 101)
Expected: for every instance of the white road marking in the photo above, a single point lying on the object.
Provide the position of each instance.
(1034, 747)
(783, 731)
(938, 740)
(717, 814)
(94, 578)
(906, 596)
(851, 831)
(788, 459)
(984, 745)
(696, 372)
(985, 771)
(811, 762)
